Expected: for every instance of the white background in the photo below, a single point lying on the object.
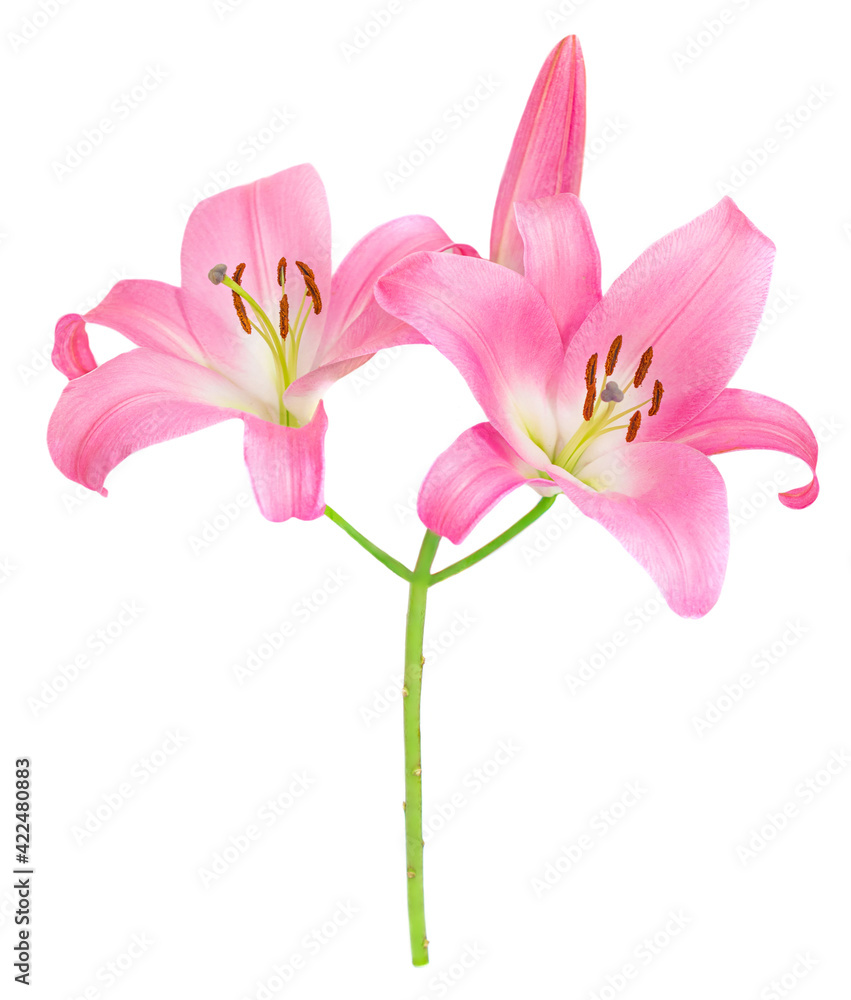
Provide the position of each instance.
(689, 108)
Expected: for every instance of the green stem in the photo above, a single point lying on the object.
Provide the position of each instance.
(540, 508)
(414, 632)
(371, 547)
(420, 580)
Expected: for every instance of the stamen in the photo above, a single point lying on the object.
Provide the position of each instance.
(310, 282)
(217, 274)
(612, 393)
(284, 311)
(239, 305)
(284, 316)
(643, 367)
(591, 372)
(612, 356)
(590, 397)
(634, 424)
(658, 390)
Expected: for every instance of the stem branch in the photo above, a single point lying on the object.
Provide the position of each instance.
(540, 508)
(420, 579)
(383, 557)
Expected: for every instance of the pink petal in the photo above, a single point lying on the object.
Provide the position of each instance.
(363, 265)
(548, 149)
(285, 215)
(470, 478)
(696, 297)
(497, 331)
(560, 258)
(303, 395)
(130, 402)
(357, 326)
(373, 330)
(739, 420)
(667, 505)
(71, 352)
(164, 318)
(287, 466)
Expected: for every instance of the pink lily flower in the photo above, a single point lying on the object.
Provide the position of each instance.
(615, 400)
(206, 354)
(548, 149)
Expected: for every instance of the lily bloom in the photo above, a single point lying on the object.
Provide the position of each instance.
(615, 400)
(263, 347)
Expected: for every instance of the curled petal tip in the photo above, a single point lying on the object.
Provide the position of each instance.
(801, 496)
(71, 352)
(738, 420)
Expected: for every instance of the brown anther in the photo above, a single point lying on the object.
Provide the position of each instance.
(590, 399)
(658, 390)
(284, 317)
(634, 424)
(612, 356)
(591, 372)
(310, 282)
(643, 367)
(282, 271)
(238, 304)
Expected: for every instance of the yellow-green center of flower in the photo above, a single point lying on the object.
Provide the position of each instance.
(283, 339)
(600, 413)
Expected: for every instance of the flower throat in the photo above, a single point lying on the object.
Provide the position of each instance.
(283, 341)
(599, 412)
